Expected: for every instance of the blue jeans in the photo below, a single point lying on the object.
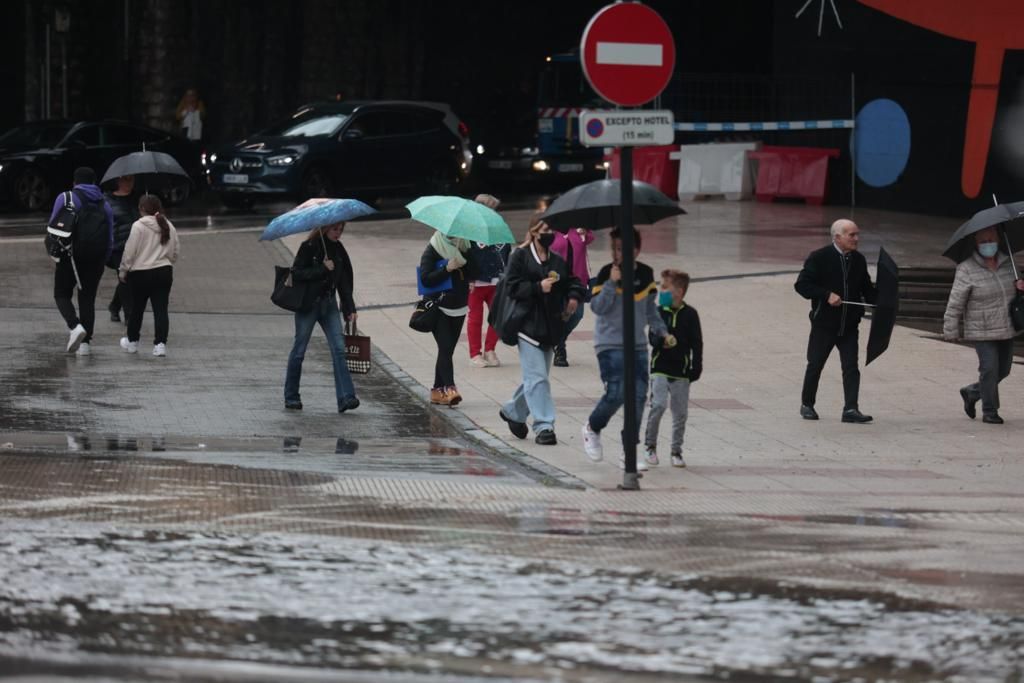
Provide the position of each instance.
(533, 396)
(611, 362)
(325, 312)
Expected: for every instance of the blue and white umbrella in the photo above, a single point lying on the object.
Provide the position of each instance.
(305, 218)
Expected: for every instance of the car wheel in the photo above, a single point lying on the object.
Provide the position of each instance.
(316, 183)
(235, 201)
(31, 190)
(176, 195)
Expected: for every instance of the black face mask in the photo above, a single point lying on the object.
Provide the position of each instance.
(546, 239)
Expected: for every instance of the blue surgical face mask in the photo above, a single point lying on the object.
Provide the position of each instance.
(664, 298)
(988, 249)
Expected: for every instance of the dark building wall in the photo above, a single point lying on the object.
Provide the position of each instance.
(929, 76)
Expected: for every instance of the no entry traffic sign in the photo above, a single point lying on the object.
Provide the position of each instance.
(628, 53)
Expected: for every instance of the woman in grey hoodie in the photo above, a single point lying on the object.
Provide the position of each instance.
(148, 267)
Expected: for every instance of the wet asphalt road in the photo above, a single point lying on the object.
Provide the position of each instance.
(165, 519)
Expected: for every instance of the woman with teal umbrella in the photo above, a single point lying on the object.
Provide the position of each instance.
(445, 262)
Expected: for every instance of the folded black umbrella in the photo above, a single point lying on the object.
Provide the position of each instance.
(152, 170)
(961, 243)
(883, 319)
(597, 205)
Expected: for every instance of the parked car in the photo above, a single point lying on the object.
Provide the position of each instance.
(356, 149)
(38, 159)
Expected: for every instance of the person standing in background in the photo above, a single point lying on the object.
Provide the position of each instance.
(190, 115)
(572, 247)
(491, 260)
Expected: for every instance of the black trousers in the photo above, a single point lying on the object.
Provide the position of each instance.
(150, 285)
(89, 272)
(819, 347)
(446, 333)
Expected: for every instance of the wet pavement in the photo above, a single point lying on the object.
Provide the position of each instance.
(166, 519)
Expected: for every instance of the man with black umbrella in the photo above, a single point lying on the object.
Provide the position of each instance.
(832, 278)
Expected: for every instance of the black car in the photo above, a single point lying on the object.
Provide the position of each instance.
(38, 159)
(355, 149)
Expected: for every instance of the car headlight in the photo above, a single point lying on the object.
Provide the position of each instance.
(282, 160)
(541, 165)
(1, 168)
(479, 149)
(213, 157)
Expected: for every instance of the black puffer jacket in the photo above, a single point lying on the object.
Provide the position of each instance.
(543, 322)
(309, 267)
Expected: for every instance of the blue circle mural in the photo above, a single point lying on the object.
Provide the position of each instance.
(882, 142)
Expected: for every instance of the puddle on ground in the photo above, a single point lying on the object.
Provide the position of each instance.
(88, 591)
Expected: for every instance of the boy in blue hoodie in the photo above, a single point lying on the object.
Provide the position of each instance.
(606, 304)
(676, 363)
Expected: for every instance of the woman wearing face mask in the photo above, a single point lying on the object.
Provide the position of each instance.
(540, 281)
(979, 311)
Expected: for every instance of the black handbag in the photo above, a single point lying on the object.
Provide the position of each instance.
(1017, 312)
(506, 315)
(424, 316)
(290, 295)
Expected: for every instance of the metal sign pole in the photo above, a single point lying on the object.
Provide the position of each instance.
(630, 478)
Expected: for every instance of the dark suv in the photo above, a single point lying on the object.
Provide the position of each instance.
(355, 149)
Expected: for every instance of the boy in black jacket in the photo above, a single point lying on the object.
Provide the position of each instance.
(676, 363)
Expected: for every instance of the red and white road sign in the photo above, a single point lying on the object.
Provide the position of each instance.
(628, 53)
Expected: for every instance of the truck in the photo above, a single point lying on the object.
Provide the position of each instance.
(549, 150)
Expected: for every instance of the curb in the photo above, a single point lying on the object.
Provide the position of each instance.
(526, 464)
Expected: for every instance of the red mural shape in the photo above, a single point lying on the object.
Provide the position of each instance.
(995, 26)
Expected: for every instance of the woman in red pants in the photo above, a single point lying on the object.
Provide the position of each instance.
(490, 261)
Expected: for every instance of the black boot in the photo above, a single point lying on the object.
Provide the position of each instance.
(561, 360)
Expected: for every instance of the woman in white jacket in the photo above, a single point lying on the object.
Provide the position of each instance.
(148, 268)
(978, 311)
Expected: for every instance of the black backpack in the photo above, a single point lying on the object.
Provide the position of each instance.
(60, 231)
(92, 231)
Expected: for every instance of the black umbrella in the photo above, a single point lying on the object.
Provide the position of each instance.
(153, 170)
(886, 306)
(961, 244)
(597, 205)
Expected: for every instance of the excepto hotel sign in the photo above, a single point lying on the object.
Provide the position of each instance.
(626, 128)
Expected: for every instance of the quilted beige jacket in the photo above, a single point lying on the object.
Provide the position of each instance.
(979, 304)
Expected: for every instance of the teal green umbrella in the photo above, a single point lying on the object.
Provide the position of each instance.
(458, 217)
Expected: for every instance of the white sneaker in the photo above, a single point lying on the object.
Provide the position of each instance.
(491, 359)
(677, 460)
(478, 361)
(592, 444)
(160, 350)
(83, 349)
(129, 346)
(641, 465)
(651, 456)
(75, 337)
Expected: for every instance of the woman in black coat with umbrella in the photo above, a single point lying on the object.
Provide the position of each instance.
(323, 262)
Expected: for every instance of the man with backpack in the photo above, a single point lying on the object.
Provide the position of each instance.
(87, 216)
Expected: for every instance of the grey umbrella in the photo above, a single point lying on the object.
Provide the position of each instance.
(152, 170)
(597, 205)
(961, 244)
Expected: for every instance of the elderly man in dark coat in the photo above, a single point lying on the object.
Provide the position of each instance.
(832, 276)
